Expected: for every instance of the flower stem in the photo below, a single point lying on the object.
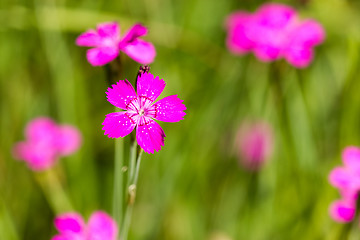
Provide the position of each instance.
(53, 191)
(114, 74)
(118, 181)
(131, 196)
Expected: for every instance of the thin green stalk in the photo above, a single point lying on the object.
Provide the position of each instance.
(132, 161)
(54, 192)
(118, 181)
(113, 74)
(131, 198)
(7, 225)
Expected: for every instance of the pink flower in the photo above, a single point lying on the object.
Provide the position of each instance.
(342, 211)
(140, 111)
(71, 226)
(107, 44)
(274, 31)
(347, 180)
(254, 144)
(46, 142)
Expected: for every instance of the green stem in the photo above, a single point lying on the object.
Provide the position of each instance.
(131, 198)
(113, 74)
(118, 181)
(7, 225)
(53, 191)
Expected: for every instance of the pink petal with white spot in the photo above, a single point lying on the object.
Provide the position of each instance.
(150, 137)
(101, 56)
(118, 124)
(135, 31)
(70, 223)
(341, 211)
(238, 41)
(170, 109)
(68, 140)
(109, 29)
(41, 128)
(102, 227)
(150, 86)
(88, 39)
(121, 94)
(141, 51)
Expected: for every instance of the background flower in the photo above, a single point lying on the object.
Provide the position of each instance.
(71, 226)
(46, 142)
(272, 32)
(107, 44)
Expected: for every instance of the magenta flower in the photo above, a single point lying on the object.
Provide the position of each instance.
(254, 144)
(46, 142)
(71, 226)
(140, 111)
(107, 44)
(274, 31)
(347, 180)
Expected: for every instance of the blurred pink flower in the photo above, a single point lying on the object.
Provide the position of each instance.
(140, 111)
(254, 144)
(107, 44)
(347, 180)
(342, 211)
(71, 226)
(272, 32)
(46, 142)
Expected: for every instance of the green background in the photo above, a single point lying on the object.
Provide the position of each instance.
(194, 188)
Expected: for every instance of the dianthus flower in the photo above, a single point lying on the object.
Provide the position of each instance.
(254, 144)
(274, 31)
(46, 142)
(347, 180)
(107, 44)
(141, 110)
(71, 226)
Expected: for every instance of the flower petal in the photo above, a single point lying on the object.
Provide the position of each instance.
(275, 15)
(150, 137)
(67, 237)
(135, 31)
(237, 39)
(38, 155)
(109, 29)
(308, 34)
(351, 157)
(69, 140)
(341, 211)
(267, 52)
(170, 109)
(340, 178)
(141, 51)
(88, 39)
(101, 56)
(298, 56)
(117, 124)
(150, 86)
(41, 129)
(70, 223)
(102, 226)
(121, 94)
